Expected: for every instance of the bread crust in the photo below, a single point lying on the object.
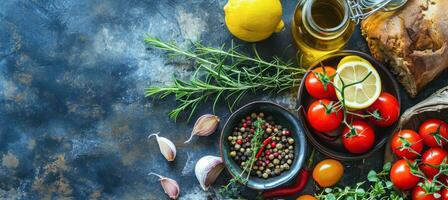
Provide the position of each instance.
(412, 40)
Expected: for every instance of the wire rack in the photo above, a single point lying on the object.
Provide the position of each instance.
(361, 9)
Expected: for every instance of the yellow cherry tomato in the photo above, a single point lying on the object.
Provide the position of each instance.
(306, 197)
(328, 172)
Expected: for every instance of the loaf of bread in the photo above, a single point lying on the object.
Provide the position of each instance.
(412, 41)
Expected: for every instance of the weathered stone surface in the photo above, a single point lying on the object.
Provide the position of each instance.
(74, 121)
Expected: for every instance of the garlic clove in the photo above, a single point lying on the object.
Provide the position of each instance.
(207, 170)
(167, 148)
(170, 186)
(204, 126)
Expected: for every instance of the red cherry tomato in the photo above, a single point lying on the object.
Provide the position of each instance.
(318, 85)
(432, 157)
(418, 193)
(401, 176)
(359, 139)
(406, 144)
(434, 132)
(386, 108)
(444, 194)
(322, 117)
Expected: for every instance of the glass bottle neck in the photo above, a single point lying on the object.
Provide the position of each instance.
(325, 33)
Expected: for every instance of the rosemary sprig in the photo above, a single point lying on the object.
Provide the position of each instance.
(223, 74)
(232, 188)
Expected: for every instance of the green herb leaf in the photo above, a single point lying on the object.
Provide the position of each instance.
(372, 176)
(387, 166)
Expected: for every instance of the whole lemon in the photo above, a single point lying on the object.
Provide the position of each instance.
(253, 20)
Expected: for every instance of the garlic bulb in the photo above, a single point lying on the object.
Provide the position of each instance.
(207, 169)
(204, 126)
(166, 147)
(170, 186)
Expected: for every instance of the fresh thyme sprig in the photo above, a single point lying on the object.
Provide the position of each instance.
(232, 188)
(223, 74)
(381, 188)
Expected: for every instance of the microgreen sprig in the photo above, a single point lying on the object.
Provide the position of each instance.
(380, 189)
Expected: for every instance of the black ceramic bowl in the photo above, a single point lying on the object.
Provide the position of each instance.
(333, 147)
(281, 116)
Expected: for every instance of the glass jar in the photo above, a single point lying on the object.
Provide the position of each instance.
(320, 27)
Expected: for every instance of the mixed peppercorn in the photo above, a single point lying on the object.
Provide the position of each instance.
(276, 153)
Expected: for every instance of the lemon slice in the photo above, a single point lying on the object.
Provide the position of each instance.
(351, 59)
(362, 94)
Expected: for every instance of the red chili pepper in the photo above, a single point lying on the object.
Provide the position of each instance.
(302, 179)
(265, 142)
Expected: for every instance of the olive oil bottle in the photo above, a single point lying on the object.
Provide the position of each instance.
(320, 27)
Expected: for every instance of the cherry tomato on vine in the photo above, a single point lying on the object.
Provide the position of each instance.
(318, 85)
(401, 176)
(406, 144)
(328, 172)
(386, 110)
(434, 132)
(323, 117)
(433, 157)
(359, 138)
(444, 194)
(419, 193)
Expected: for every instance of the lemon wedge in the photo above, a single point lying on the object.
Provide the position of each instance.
(362, 82)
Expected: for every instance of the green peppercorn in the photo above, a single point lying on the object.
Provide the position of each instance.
(233, 142)
(271, 157)
(286, 166)
(276, 161)
(261, 115)
(242, 129)
(265, 175)
(289, 161)
(291, 141)
(261, 168)
(243, 163)
(290, 147)
(233, 153)
(279, 146)
(237, 146)
(230, 138)
(242, 150)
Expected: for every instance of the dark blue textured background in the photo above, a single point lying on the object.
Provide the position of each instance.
(73, 119)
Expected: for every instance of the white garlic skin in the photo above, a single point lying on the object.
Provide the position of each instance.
(205, 125)
(170, 186)
(167, 148)
(207, 170)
